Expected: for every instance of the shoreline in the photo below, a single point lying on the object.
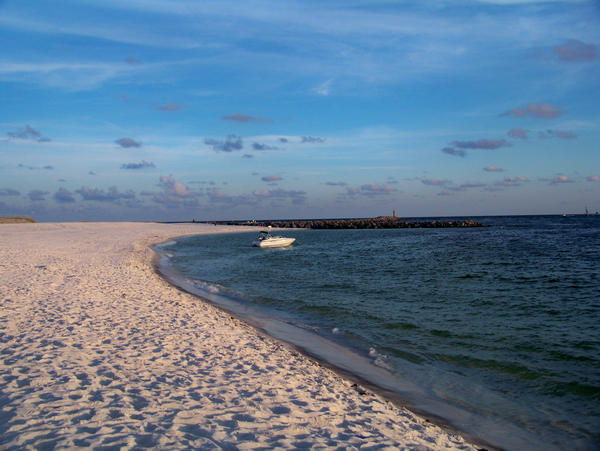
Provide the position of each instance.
(98, 349)
(318, 350)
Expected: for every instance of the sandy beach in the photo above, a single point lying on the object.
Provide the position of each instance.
(98, 351)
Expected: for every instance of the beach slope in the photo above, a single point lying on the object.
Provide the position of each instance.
(97, 350)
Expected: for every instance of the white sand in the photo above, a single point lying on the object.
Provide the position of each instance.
(98, 351)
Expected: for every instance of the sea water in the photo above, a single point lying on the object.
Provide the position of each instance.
(496, 330)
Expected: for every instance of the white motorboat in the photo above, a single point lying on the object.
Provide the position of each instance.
(265, 239)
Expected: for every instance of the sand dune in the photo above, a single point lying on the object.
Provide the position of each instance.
(98, 351)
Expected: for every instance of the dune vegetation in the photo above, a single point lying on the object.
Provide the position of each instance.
(15, 220)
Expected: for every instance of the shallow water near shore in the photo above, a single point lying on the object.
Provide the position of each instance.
(494, 329)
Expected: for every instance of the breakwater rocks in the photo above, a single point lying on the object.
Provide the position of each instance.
(381, 222)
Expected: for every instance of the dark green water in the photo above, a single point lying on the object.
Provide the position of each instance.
(502, 322)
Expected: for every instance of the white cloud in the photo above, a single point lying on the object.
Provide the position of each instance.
(492, 168)
(559, 179)
(173, 187)
(324, 89)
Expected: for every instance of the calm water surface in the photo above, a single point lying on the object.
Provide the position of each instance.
(501, 323)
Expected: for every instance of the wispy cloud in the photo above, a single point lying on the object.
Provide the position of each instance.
(575, 51)
(492, 168)
(469, 185)
(271, 178)
(141, 165)
(260, 146)
(171, 107)
(560, 179)
(324, 89)
(128, 142)
(517, 132)
(233, 142)
(9, 192)
(36, 168)
(510, 182)
(453, 151)
(434, 182)
(312, 140)
(245, 118)
(99, 195)
(326, 41)
(74, 76)
(37, 195)
(367, 190)
(537, 110)
(375, 189)
(458, 147)
(222, 199)
(548, 134)
(64, 196)
(28, 133)
(489, 144)
(295, 196)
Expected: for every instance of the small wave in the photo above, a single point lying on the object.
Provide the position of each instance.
(408, 356)
(448, 334)
(577, 389)
(402, 326)
(442, 333)
(560, 355)
(513, 369)
(553, 312)
(586, 345)
(319, 309)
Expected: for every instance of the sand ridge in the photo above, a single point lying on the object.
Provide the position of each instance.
(98, 351)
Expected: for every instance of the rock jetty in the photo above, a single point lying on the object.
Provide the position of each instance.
(380, 222)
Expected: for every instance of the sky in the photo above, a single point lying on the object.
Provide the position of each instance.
(217, 110)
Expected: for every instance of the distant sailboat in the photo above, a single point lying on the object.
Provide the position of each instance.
(587, 213)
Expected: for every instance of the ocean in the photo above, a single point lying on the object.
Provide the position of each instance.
(494, 330)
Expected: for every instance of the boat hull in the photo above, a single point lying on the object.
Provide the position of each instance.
(274, 242)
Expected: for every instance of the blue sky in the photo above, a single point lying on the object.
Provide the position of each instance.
(173, 110)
